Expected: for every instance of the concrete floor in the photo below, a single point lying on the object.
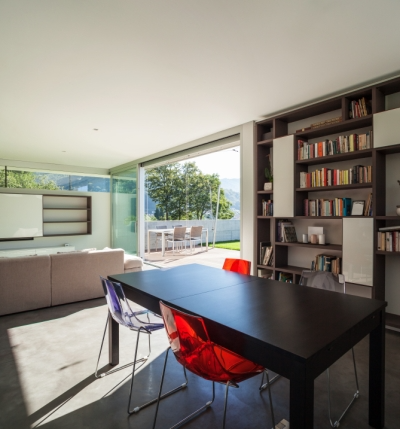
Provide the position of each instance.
(47, 361)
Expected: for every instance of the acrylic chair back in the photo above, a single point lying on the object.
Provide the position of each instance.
(324, 280)
(194, 350)
(237, 265)
(117, 303)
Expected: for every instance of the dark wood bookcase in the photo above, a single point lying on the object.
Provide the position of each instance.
(295, 123)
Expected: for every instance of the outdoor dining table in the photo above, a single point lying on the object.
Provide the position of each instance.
(163, 233)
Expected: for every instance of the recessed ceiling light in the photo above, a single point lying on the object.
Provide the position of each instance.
(95, 129)
(63, 151)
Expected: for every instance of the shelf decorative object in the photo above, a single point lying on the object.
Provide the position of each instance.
(268, 174)
(398, 207)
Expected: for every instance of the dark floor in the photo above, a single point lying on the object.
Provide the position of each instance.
(46, 379)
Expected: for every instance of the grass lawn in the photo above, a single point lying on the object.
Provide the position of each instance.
(231, 245)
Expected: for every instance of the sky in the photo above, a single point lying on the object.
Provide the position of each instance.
(226, 163)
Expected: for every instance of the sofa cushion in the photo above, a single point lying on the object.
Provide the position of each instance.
(131, 262)
(25, 283)
(76, 276)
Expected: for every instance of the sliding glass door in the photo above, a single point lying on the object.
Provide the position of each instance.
(124, 232)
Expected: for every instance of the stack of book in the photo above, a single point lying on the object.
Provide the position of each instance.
(267, 208)
(326, 122)
(342, 144)
(329, 263)
(333, 177)
(280, 224)
(266, 253)
(389, 239)
(368, 206)
(324, 207)
(359, 108)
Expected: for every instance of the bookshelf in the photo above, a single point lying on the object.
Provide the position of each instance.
(65, 215)
(378, 116)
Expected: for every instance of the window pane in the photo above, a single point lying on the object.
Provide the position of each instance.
(2, 177)
(32, 179)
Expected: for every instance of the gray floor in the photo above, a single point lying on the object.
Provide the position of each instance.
(46, 379)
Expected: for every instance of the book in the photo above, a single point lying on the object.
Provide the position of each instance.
(346, 206)
(263, 247)
(279, 232)
(267, 256)
(289, 234)
(390, 228)
(340, 144)
(331, 263)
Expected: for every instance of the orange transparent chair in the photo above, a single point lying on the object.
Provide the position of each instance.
(192, 348)
(237, 265)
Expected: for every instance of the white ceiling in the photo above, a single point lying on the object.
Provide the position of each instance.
(153, 74)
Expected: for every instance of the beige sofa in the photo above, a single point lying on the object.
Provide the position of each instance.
(28, 283)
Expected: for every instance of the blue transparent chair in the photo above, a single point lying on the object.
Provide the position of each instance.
(335, 283)
(121, 312)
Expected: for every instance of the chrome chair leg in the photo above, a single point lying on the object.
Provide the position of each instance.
(355, 396)
(170, 392)
(263, 385)
(190, 416)
(134, 363)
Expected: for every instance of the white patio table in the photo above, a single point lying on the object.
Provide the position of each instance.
(168, 231)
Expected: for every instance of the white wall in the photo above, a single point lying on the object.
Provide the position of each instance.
(101, 224)
(247, 197)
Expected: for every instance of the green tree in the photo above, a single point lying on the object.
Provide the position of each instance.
(182, 191)
(159, 214)
(27, 180)
(161, 187)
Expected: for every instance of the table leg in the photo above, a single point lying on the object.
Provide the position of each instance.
(206, 240)
(113, 341)
(377, 374)
(163, 243)
(301, 399)
(148, 242)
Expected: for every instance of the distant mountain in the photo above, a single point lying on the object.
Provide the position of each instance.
(233, 184)
(233, 197)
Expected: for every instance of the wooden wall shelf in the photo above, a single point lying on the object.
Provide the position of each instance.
(281, 127)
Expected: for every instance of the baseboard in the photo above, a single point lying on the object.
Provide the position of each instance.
(392, 321)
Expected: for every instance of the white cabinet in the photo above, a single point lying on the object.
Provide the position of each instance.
(387, 128)
(358, 250)
(283, 160)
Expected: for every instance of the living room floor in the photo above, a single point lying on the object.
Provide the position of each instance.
(47, 380)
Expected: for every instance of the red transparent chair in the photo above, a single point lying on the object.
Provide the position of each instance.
(237, 265)
(192, 348)
(335, 283)
(122, 313)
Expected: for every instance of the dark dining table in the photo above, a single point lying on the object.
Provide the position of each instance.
(295, 331)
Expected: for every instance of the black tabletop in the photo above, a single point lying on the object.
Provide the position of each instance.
(261, 313)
